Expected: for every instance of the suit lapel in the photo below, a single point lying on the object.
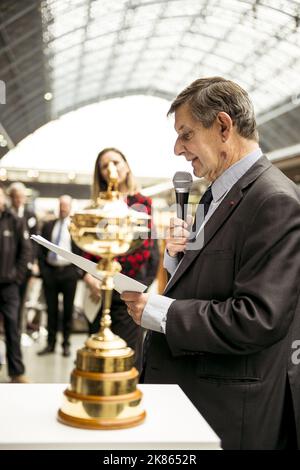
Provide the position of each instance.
(219, 217)
(51, 227)
(48, 230)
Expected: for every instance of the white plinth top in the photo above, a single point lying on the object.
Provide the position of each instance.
(28, 421)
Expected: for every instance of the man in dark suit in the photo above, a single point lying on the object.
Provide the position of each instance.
(18, 197)
(59, 276)
(225, 326)
(15, 252)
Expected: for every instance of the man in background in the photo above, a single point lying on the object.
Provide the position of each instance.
(59, 276)
(18, 199)
(15, 253)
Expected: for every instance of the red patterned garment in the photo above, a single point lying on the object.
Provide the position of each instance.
(133, 264)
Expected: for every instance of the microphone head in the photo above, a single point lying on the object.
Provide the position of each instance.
(182, 181)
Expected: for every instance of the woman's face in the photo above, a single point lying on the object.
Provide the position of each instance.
(121, 165)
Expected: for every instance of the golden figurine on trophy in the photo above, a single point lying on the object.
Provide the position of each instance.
(103, 393)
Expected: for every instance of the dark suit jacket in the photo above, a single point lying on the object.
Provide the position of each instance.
(15, 248)
(43, 252)
(229, 331)
(32, 225)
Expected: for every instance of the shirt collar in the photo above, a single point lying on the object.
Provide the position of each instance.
(63, 220)
(19, 212)
(228, 179)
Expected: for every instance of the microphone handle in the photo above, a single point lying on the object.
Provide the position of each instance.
(181, 203)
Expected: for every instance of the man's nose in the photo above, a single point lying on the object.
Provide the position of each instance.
(178, 147)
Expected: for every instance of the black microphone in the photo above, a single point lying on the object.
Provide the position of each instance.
(182, 182)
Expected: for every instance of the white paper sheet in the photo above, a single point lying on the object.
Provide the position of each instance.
(122, 282)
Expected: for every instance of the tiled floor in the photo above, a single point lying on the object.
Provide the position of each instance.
(53, 368)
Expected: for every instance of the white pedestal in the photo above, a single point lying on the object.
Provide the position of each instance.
(28, 421)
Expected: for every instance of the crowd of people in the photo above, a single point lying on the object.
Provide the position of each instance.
(21, 258)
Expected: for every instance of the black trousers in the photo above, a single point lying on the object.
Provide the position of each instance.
(22, 293)
(9, 307)
(58, 280)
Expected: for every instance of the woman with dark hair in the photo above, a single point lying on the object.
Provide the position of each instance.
(141, 264)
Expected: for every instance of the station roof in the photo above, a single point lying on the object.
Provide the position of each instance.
(59, 55)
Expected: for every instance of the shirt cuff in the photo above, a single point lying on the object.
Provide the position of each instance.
(170, 262)
(155, 313)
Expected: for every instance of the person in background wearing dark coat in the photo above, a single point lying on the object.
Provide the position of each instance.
(224, 328)
(59, 276)
(15, 253)
(17, 194)
(141, 264)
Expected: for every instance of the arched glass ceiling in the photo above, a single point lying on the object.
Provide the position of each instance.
(102, 48)
(85, 51)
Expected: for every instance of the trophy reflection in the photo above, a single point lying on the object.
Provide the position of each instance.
(103, 393)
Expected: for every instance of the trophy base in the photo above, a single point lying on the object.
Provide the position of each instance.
(94, 412)
(100, 423)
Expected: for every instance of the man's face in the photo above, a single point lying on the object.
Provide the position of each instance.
(64, 208)
(18, 198)
(2, 200)
(199, 145)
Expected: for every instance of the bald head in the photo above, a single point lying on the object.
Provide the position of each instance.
(65, 206)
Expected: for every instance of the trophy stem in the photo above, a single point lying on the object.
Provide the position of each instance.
(107, 267)
(105, 339)
(106, 290)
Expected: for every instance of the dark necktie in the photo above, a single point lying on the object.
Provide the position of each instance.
(52, 255)
(206, 199)
(203, 205)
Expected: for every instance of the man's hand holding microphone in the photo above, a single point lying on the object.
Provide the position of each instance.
(177, 235)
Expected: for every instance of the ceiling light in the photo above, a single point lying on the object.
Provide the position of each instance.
(48, 96)
(32, 174)
(3, 174)
(72, 176)
(3, 142)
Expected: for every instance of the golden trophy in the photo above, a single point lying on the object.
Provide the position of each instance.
(103, 393)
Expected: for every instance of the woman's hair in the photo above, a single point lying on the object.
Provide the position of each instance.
(99, 183)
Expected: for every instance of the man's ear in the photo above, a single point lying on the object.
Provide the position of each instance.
(225, 125)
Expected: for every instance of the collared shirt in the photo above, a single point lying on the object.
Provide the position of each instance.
(64, 242)
(19, 212)
(154, 316)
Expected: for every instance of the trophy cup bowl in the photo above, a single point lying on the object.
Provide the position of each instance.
(102, 392)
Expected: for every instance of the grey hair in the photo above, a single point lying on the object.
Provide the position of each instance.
(17, 186)
(207, 97)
